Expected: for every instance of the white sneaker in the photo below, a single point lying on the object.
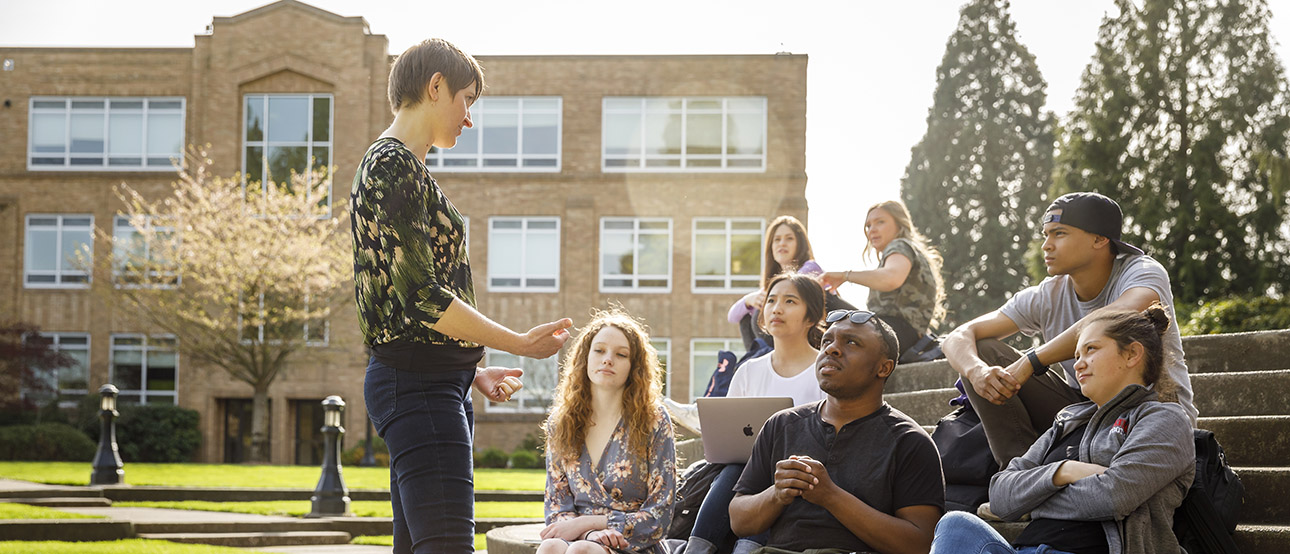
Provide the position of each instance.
(685, 415)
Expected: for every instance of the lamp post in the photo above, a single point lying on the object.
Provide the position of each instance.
(330, 497)
(368, 460)
(107, 461)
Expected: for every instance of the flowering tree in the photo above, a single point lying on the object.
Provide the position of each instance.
(243, 276)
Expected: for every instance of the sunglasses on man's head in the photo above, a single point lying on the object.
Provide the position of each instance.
(857, 317)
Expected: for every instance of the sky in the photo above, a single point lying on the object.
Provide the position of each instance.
(871, 69)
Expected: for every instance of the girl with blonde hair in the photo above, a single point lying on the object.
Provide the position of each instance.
(611, 459)
(906, 289)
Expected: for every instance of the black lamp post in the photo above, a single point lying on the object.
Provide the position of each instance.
(368, 459)
(330, 497)
(107, 461)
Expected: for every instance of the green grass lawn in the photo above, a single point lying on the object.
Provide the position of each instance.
(10, 510)
(298, 508)
(130, 546)
(251, 476)
(388, 540)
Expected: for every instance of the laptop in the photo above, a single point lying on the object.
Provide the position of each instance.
(731, 425)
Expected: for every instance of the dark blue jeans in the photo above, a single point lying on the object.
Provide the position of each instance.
(427, 421)
(712, 523)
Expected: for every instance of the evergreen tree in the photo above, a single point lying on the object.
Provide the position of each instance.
(977, 181)
(1183, 116)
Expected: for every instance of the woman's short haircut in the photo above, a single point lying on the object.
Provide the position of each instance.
(413, 69)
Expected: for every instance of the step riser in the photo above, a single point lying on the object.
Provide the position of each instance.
(62, 502)
(1252, 441)
(1221, 394)
(1266, 491)
(252, 540)
(303, 525)
(166, 494)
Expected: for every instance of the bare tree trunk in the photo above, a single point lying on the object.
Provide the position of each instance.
(260, 426)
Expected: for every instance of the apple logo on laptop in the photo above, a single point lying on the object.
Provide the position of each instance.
(748, 432)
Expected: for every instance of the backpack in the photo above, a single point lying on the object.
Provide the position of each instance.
(690, 492)
(925, 349)
(965, 459)
(1205, 521)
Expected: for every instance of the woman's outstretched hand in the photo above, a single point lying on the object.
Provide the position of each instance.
(546, 339)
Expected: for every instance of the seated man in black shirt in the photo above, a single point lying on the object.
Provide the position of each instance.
(849, 473)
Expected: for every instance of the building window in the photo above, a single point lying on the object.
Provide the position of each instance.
(703, 361)
(84, 133)
(635, 254)
(267, 320)
(684, 134)
(540, 377)
(308, 433)
(664, 349)
(58, 251)
(524, 254)
(509, 133)
(285, 133)
(727, 254)
(143, 257)
(70, 381)
(144, 368)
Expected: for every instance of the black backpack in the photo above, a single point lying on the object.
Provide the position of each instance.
(694, 486)
(1205, 521)
(965, 459)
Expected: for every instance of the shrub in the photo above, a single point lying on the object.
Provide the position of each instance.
(526, 459)
(354, 455)
(491, 457)
(1237, 314)
(153, 433)
(45, 442)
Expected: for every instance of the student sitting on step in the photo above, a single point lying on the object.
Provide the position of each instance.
(847, 473)
(611, 460)
(1109, 473)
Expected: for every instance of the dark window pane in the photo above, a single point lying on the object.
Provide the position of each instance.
(322, 118)
(255, 118)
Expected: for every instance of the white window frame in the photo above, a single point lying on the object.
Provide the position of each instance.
(120, 223)
(697, 381)
(642, 159)
(663, 347)
(144, 394)
(729, 232)
(441, 160)
(523, 401)
(635, 277)
(524, 232)
(309, 144)
(259, 329)
(56, 345)
(106, 111)
(61, 271)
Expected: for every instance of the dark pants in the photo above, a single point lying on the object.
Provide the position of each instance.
(906, 334)
(1013, 426)
(426, 419)
(712, 523)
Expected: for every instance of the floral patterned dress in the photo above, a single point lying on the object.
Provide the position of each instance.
(636, 495)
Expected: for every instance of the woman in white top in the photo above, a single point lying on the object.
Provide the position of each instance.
(791, 314)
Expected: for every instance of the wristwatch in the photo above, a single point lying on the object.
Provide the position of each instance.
(1036, 367)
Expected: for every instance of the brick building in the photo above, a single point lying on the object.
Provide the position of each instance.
(640, 180)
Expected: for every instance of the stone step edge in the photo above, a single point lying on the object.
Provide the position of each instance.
(254, 539)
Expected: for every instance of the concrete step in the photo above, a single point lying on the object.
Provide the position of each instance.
(65, 529)
(1242, 393)
(70, 502)
(251, 540)
(936, 374)
(208, 527)
(1252, 440)
(177, 494)
(926, 406)
(51, 492)
(1266, 491)
(1259, 350)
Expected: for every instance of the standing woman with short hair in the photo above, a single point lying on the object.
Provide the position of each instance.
(906, 289)
(416, 305)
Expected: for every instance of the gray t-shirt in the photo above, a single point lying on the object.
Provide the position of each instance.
(1051, 307)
